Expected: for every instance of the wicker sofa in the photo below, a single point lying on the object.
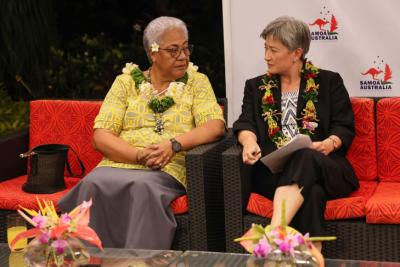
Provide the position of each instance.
(366, 224)
(199, 213)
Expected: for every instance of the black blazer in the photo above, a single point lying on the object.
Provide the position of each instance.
(334, 112)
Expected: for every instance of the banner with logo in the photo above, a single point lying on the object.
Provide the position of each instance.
(359, 39)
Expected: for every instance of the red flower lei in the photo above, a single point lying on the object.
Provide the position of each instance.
(309, 113)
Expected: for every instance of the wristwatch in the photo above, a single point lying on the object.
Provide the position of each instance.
(176, 146)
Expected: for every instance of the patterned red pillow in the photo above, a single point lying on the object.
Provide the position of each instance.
(66, 122)
(388, 139)
(362, 153)
(384, 205)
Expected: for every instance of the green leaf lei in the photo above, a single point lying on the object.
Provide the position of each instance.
(309, 113)
(156, 104)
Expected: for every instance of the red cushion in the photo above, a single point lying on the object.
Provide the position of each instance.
(362, 153)
(67, 122)
(388, 139)
(260, 205)
(180, 205)
(12, 196)
(384, 205)
(343, 208)
(352, 206)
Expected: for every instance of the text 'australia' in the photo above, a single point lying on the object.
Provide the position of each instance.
(323, 35)
(374, 85)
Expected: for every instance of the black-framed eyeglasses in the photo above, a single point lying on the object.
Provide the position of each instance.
(176, 51)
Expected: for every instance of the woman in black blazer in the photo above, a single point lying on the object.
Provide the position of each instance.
(297, 97)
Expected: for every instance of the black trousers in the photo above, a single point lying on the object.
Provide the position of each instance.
(321, 178)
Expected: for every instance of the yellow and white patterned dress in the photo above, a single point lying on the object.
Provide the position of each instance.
(125, 111)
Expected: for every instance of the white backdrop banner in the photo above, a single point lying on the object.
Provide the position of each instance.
(359, 39)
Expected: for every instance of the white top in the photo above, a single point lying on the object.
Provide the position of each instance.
(288, 119)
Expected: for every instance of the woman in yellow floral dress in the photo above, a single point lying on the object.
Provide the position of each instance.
(147, 120)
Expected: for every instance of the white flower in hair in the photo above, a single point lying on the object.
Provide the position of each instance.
(129, 67)
(154, 47)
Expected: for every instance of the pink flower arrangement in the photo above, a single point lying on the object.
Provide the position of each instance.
(53, 231)
(261, 241)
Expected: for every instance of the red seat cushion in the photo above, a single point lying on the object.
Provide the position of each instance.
(384, 205)
(343, 208)
(352, 206)
(12, 196)
(66, 122)
(362, 153)
(388, 139)
(180, 205)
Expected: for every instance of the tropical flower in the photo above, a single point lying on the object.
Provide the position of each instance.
(53, 230)
(262, 241)
(154, 47)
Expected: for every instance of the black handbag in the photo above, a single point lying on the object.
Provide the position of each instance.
(47, 164)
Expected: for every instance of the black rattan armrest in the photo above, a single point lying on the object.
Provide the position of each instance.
(10, 148)
(237, 189)
(205, 195)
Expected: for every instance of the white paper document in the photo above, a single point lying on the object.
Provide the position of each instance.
(277, 159)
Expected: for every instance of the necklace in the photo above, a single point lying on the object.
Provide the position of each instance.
(157, 102)
(309, 113)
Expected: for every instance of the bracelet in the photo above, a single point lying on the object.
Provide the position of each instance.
(333, 142)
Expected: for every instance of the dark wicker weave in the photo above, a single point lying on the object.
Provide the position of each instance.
(201, 229)
(355, 239)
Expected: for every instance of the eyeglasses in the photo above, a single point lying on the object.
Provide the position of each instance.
(176, 51)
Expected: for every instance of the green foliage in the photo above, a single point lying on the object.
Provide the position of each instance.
(14, 116)
(88, 66)
(27, 28)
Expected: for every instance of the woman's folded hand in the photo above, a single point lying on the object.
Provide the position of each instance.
(160, 155)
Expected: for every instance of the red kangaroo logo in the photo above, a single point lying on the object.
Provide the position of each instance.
(320, 22)
(373, 72)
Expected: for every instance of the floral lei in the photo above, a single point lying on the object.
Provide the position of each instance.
(158, 103)
(309, 113)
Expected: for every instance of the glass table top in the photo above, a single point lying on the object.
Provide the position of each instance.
(158, 258)
(215, 259)
(106, 258)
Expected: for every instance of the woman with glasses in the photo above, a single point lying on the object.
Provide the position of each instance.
(297, 97)
(147, 121)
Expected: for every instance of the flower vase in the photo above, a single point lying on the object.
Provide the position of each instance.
(278, 259)
(300, 258)
(74, 254)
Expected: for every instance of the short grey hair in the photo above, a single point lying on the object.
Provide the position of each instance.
(157, 27)
(293, 33)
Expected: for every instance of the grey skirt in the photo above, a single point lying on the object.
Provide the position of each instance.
(130, 207)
